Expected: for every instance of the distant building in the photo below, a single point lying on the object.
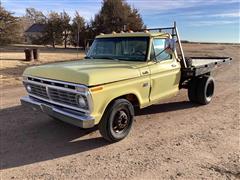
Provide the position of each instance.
(34, 32)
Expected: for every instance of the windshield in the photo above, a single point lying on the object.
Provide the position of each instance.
(121, 48)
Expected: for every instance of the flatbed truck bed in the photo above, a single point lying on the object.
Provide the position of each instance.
(195, 71)
(197, 66)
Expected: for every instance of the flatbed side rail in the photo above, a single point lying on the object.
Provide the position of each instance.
(202, 69)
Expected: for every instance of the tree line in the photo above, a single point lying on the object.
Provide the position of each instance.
(62, 29)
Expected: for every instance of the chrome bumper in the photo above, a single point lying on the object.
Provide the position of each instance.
(70, 116)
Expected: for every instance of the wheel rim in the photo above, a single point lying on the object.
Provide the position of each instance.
(210, 90)
(121, 121)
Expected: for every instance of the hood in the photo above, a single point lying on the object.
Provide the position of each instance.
(88, 72)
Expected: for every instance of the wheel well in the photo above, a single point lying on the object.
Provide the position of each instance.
(131, 98)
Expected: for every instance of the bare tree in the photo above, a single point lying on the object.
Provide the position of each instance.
(78, 30)
(66, 27)
(9, 27)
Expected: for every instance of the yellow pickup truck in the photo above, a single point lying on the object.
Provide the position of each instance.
(122, 71)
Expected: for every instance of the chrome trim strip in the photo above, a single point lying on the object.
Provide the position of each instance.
(87, 93)
(48, 94)
(55, 81)
(81, 120)
(55, 87)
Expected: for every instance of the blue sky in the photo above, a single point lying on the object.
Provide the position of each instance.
(198, 20)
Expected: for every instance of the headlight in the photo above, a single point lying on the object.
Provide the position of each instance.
(82, 101)
(28, 87)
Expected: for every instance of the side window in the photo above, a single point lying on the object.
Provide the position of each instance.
(157, 52)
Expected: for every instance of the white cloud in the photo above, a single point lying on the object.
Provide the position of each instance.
(211, 23)
(229, 14)
(165, 5)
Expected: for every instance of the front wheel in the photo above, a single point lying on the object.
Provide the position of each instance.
(117, 120)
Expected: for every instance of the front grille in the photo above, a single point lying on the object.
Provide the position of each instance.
(49, 82)
(63, 97)
(58, 93)
(39, 90)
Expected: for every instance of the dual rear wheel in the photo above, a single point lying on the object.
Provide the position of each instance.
(201, 90)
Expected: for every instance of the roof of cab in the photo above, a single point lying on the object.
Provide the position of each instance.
(134, 34)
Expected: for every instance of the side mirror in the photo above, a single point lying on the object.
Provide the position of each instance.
(170, 45)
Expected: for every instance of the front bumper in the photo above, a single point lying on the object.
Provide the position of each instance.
(69, 116)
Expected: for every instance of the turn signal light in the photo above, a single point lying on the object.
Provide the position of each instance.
(98, 88)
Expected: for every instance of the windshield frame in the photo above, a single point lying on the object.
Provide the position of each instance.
(127, 37)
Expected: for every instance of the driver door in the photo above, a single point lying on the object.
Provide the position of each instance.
(165, 72)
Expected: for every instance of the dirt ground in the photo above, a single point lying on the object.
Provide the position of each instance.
(171, 140)
(12, 61)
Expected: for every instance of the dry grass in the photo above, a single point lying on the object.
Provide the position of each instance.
(12, 61)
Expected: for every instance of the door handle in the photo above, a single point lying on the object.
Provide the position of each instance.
(173, 65)
(145, 72)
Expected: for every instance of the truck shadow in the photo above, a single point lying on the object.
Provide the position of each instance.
(166, 107)
(28, 137)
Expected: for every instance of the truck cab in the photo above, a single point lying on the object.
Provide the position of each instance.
(158, 65)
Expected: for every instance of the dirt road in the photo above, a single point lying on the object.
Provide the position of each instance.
(172, 140)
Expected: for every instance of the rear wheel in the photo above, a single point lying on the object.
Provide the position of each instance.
(117, 120)
(201, 90)
(205, 90)
(192, 90)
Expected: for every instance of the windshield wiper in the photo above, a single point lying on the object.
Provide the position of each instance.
(111, 58)
(91, 57)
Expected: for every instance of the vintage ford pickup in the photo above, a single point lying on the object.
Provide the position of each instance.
(120, 72)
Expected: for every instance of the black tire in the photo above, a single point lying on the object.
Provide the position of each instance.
(117, 120)
(192, 90)
(205, 90)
